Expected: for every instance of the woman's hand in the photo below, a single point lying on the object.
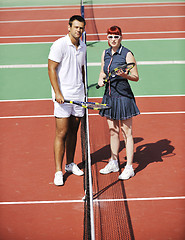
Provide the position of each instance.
(101, 82)
(123, 74)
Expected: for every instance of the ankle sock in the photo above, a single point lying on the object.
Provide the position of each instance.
(129, 167)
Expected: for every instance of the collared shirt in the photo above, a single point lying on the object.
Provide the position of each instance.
(69, 69)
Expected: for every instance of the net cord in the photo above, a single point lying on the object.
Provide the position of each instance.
(88, 141)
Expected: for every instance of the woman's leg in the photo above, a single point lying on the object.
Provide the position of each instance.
(114, 138)
(126, 129)
(112, 166)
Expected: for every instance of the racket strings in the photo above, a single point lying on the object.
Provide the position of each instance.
(96, 106)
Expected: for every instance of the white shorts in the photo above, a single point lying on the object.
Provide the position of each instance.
(65, 110)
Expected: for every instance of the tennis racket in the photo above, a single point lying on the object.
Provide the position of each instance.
(125, 67)
(89, 105)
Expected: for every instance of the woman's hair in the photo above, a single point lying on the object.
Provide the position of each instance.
(114, 30)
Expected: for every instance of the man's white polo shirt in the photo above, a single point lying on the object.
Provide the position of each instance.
(69, 69)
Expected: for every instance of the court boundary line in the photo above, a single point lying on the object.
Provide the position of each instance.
(90, 114)
(92, 64)
(94, 201)
(91, 41)
(50, 99)
(93, 34)
(88, 19)
(97, 5)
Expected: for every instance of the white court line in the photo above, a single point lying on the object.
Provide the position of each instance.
(89, 19)
(132, 33)
(139, 199)
(31, 116)
(142, 63)
(93, 64)
(125, 40)
(147, 113)
(97, 6)
(41, 202)
(90, 34)
(93, 34)
(25, 66)
(95, 200)
(158, 113)
(50, 99)
(90, 114)
(118, 5)
(34, 36)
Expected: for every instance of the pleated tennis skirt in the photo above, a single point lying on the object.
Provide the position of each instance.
(122, 108)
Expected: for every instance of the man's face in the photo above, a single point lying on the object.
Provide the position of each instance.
(76, 29)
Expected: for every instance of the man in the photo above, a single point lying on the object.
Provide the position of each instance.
(66, 72)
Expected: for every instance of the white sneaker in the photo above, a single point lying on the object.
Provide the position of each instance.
(112, 166)
(74, 169)
(58, 180)
(127, 173)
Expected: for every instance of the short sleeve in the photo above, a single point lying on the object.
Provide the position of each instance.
(56, 51)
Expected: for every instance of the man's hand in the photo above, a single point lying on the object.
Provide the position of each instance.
(59, 98)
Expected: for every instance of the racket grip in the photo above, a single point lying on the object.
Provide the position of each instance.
(97, 86)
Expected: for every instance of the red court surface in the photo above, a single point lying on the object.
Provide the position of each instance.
(149, 206)
(46, 24)
(159, 168)
(27, 173)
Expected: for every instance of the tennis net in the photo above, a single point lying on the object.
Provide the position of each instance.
(109, 218)
(89, 233)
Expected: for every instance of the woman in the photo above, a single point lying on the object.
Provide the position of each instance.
(119, 96)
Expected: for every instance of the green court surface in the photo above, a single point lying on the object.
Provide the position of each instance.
(19, 82)
(20, 3)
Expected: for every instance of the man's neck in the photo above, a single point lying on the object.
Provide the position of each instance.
(75, 42)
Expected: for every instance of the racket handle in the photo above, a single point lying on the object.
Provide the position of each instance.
(97, 86)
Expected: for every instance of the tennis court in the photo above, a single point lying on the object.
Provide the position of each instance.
(149, 205)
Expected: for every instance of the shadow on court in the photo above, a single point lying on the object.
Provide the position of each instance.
(144, 155)
(152, 152)
(109, 187)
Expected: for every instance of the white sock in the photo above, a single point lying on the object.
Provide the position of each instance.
(68, 165)
(129, 167)
(114, 160)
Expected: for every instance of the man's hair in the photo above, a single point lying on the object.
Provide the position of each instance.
(78, 18)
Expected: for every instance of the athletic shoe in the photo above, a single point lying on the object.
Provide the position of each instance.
(74, 169)
(112, 166)
(58, 180)
(127, 173)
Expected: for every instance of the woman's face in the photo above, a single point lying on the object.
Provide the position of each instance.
(114, 40)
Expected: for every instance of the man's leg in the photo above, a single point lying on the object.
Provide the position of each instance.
(60, 139)
(72, 138)
(71, 146)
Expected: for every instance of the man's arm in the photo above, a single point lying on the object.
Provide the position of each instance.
(52, 66)
(84, 78)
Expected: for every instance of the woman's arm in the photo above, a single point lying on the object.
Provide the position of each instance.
(132, 75)
(102, 75)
